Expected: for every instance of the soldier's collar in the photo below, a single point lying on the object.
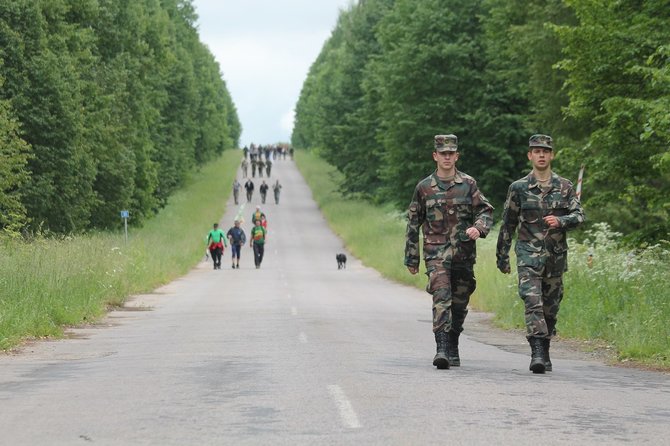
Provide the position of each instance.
(532, 180)
(435, 180)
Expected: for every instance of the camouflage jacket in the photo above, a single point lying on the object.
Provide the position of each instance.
(444, 211)
(525, 207)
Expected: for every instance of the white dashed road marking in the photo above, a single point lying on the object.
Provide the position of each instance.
(347, 413)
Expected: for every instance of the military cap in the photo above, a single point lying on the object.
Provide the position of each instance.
(541, 141)
(446, 143)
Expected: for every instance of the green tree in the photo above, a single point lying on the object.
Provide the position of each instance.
(617, 63)
(123, 31)
(429, 80)
(524, 93)
(14, 154)
(45, 54)
(119, 101)
(356, 152)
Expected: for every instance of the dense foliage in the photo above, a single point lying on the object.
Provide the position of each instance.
(593, 74)
(104, 105)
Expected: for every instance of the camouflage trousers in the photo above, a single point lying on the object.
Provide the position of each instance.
(542, 298)
(451, 287)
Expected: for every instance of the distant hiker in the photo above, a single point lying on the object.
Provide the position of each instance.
(249, 187)
(258, 236)
(237, 239)
(259, 215)
(216, 240)
(276, 188)
(261, 165)
(236, 190)
(268, 166)
(263, 189)
(245, 167)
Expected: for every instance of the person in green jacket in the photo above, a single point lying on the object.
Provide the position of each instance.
(259, 215)
(216, 240)
(258, 235)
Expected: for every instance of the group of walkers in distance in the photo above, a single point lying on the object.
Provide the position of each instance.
(217, 241)
(260, 158)
(450, 210)
(249, 188)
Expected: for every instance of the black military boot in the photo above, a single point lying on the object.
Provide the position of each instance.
(546, 342)
(452, 349)
(441, 361)
(536, 355)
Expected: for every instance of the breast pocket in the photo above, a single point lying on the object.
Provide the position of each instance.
(559, 208)
(436, 210)
(462, 209)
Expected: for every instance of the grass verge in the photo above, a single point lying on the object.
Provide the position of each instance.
(49, 283)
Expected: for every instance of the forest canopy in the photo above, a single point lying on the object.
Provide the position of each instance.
(105, 105)
(592, 74)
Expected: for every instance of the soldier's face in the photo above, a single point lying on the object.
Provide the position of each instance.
(540, 158)
(445, 160)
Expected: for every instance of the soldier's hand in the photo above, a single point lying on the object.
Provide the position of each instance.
(413, 269)
(504, 266)
(473, 233)
(551, 221)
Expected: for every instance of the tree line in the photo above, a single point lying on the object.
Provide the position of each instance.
(105, 105)
(593, 74)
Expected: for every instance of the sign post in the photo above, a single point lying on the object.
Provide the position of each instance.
(124, 215)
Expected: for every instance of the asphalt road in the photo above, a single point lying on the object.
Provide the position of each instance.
(299, 352)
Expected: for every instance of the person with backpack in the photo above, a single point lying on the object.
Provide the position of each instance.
(259, 215)
(258, 236)
(237, 239)
(216, 240)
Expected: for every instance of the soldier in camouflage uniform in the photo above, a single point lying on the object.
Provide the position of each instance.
(452, 213)
(543, 206)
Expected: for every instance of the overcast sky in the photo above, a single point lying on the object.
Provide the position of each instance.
(265, 49)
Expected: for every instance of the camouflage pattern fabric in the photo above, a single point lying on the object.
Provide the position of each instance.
(542, 299)
(541, 141)
(443, 211)
(541, 252)
(451, 290)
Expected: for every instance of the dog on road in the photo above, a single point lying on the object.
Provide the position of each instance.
(341, 261)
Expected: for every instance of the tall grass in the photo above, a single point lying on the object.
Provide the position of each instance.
(622, 298)
(51, 282)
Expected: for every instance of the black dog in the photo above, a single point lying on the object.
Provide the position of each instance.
(341, 261)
